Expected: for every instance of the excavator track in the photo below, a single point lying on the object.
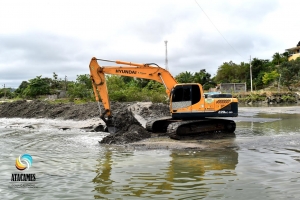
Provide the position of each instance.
(199, 128)
(180, 129)
(159, 125)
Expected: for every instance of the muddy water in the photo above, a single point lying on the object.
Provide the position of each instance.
(262, 162)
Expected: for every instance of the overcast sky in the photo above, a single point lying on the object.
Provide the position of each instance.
(41, 37)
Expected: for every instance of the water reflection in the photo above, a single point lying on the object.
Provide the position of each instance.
(163, 173)
(273, 124)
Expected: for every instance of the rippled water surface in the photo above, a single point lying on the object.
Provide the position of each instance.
(262, 162)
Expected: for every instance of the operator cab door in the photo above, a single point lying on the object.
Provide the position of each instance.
(181, 98)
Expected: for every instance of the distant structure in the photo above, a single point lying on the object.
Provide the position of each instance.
(166, 61)
(233, 87)
(294, 52)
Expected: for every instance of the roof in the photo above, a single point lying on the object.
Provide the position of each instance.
(294, 48)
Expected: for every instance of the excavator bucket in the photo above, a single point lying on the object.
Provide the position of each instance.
(108, 121)
(109, 124)
(112, 129)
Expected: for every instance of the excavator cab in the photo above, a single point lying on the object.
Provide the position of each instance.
(185, 98)
(188, 101)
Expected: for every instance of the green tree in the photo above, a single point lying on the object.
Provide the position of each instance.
(37, 86)
(127, 79)
(154, 85)
(290, 73)
(227, 73)
(276, 58)
(19, 91)
(84, 80)
(270, 77)
(285, 55)
(6, 93)
(81, 88)
(279, 58)
(54, 82)
(185, 77)
(141, 82)
(259, 67)
(202, 77)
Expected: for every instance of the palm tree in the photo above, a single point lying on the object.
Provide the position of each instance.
(276, 58)
(185, 77)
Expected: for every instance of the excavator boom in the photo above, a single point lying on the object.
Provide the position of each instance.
(137, 70)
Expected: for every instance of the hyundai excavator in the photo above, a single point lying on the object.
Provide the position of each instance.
(192, 112)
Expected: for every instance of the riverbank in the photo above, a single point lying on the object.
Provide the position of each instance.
(130, 129)
(268, 98)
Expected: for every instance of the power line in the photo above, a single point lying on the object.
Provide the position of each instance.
(217, 28)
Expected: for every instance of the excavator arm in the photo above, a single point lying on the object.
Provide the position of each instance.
(146, 71)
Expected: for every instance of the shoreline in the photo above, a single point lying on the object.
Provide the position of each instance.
(89, 122)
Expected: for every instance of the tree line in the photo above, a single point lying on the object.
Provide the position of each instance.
(264, 72)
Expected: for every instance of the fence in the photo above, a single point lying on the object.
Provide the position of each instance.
(233, 87)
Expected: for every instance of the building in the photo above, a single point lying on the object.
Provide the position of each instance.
(294, 52)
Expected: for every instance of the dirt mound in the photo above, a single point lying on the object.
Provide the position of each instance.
(43, 109)
(149, 110)
(129, 129)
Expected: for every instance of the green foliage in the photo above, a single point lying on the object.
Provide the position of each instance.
(290, 73)
(81, 88)
(226, 72)
(270, 77)
(84, 80)
(185, 77)
(231, 72)
(133, 90)
(40, 86)
(6, 93)
(289, 98)
(253, 97)
(279, 58)
(19, 91)
(201, 77)
(54, 82)
(153, 85)
(37, 86)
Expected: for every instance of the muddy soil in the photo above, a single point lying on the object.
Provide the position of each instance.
(129, 128)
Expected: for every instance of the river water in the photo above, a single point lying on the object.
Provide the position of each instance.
(261, 162)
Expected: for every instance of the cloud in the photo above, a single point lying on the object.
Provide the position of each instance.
(38, 53)
(45, 37)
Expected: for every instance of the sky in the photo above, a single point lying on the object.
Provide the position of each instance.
(42, 37)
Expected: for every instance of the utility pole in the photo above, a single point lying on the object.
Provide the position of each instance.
(166, 61)
(251, 74)
(65, 82)
(279, 83)
(4, 92)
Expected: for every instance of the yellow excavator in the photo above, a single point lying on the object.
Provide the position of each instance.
(192, 112)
